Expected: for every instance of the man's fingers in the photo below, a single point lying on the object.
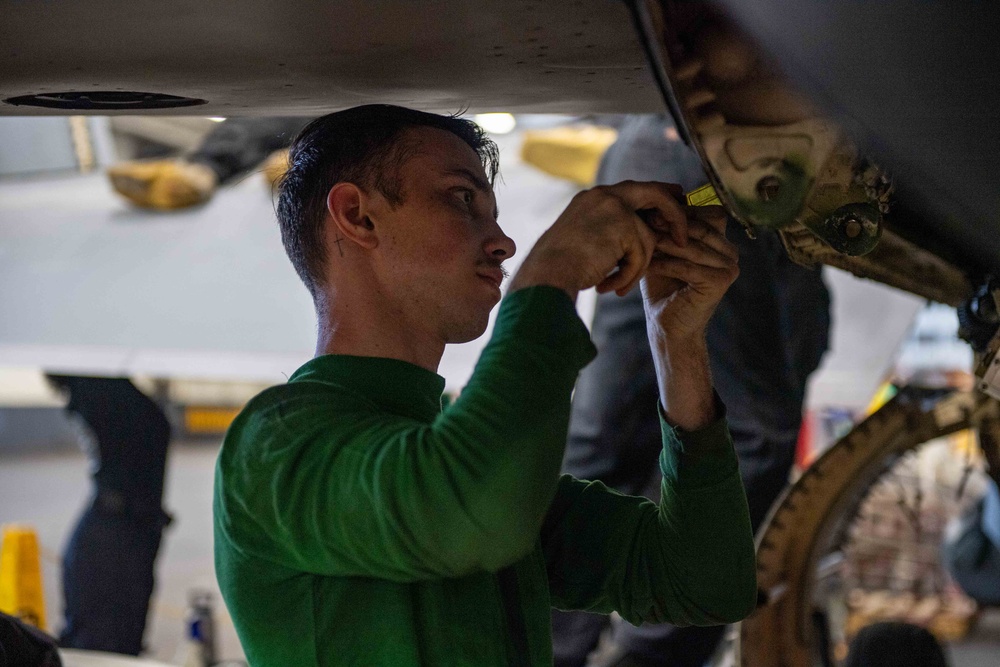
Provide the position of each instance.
(709, 248)
(694, 252)
(713, 238)
(633, 264)
(698, 276)
(714, 216)
(647, 246)
(610, 283)
(663, 227)
(659, 206)
(676, 190)
(629, 271)
(704, 251)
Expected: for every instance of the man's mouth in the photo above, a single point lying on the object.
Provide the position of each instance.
(493, 276)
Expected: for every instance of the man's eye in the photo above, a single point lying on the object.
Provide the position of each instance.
(465, 196)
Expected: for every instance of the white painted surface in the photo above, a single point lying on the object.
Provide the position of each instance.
(870, 322)
(89, 284)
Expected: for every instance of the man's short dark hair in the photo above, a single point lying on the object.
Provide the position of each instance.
(362, 146)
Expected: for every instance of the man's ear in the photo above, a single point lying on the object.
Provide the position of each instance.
(349, 208)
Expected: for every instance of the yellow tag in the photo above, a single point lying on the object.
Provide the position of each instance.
(208, 420)
(703, 196)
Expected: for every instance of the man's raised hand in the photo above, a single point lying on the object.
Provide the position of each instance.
(685, 282)
(606, 238)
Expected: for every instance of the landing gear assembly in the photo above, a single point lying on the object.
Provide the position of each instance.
(800, 543)
(775, 161)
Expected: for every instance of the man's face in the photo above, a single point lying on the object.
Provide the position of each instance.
(440, 250)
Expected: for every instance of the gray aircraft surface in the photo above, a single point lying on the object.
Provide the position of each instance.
(865, 132)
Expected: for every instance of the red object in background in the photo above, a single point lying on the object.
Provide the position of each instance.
(821, 427)
(804, 449)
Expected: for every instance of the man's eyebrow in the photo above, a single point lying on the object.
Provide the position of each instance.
(481, 184)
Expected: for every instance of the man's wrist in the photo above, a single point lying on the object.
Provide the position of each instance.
(684, 378)
(677, 340)
(535, 271)
(518, 283)
(700, 411)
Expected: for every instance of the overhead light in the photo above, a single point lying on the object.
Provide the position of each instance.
(217, 119)
(496, 123)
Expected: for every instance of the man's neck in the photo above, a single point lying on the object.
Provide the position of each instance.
(376, 332)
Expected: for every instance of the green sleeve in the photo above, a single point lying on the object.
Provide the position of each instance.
(687, 561)
(373, 494)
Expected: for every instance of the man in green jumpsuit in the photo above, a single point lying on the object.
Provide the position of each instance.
(358, 523)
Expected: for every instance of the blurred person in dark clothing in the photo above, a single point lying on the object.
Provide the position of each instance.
(108, 564)
(767, 336)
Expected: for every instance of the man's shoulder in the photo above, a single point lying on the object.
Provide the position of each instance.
(272, 433)
(304, 397)
(284, 413)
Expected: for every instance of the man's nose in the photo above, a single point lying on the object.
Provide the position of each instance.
(500, 246)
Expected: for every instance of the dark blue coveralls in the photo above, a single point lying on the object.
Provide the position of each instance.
(767, 336)
(108, 561)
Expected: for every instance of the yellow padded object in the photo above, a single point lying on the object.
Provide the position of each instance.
(573, 153)
(21, 576)
(274, 167)
(164, 185)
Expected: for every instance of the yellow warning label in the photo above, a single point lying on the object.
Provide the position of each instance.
(21, 576)
(703, 196)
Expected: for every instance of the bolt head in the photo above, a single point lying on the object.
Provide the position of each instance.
(768, 188)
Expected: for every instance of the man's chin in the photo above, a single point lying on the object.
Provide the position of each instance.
(471, 330)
